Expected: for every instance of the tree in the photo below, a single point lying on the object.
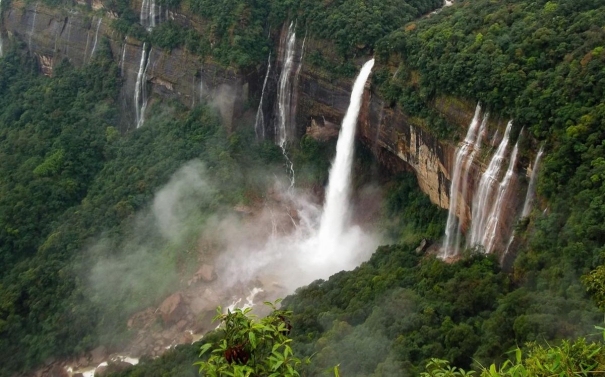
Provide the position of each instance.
(251, 347)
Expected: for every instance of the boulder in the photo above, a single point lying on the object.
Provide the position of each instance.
(173, 309)
(98, 355)
(56, 371)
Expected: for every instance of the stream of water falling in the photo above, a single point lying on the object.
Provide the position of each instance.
(449, 249)
(336, 208)
(493, 223)
(284, 88)
(94, 46)
(140, 100)
(148, 14)
(259, 124)
(481, 201)
(531, 189)
(31, 31)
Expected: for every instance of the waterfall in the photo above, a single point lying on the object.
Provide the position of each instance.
(467, 167)
(335, 214)
(31, 31)
(68, 37)
(462, 155)
(481, 208)
(531, 189)
(94, 46)
(259, 125)
(123, 58)
(140, 89)
(284, 89)
(148, 15)
(493, 223)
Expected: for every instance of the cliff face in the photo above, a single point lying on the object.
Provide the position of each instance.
(53, 35)
(318, 101)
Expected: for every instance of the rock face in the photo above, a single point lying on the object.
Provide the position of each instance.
(173, 308)
(53, 35)
(399, 141)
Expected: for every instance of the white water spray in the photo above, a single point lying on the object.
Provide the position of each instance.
(148, 14)
(259, 125)
(140, 90)
(531, 189)
(481, 207)
(284, 88)
(493, 224)
(462, 155)
(94, 46)
(123, 58)
(336, 209)
(201, 85)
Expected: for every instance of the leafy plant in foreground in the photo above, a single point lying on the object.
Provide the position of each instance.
(252, 347)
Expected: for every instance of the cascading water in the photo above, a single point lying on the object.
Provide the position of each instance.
(94, 46)
(481, 207)
(531, 189)
(148, 14)
(259, 125)
(140, 90)
(491, 231)
(463, 152)
(467, 169)
(336, 209)
(284, 89)
(31, 30)
(123, 58)
(284, 98)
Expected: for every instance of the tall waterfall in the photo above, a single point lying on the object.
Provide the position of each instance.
(495, 216)
(335, 215)
(31, 31)
(148, 14)
(123, 57)
(531, 189)
(94, 46)
(284, 89)
(464, 157)
(481, 207)
(140, 89)
(259, 125)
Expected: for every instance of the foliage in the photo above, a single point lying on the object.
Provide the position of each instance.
(252, 347)
(577, 358)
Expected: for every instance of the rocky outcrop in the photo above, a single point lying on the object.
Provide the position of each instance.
(53, 35)
(173, 308)
(399, 141)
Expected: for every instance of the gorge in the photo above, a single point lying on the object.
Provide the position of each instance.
(211, 128)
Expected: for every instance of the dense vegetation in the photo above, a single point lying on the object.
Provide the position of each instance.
(68, 178)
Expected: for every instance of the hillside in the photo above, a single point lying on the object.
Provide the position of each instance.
(142, 142)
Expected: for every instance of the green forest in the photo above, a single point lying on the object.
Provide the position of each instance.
(69, 177)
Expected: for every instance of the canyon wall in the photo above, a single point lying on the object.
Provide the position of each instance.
(399, 141)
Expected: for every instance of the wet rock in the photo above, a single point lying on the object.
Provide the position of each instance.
(181, 325)
(56, 371)
(98, 355)
(186, 338)
(424, 244)
(77, 375)
(173, 308)
(205, 273)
